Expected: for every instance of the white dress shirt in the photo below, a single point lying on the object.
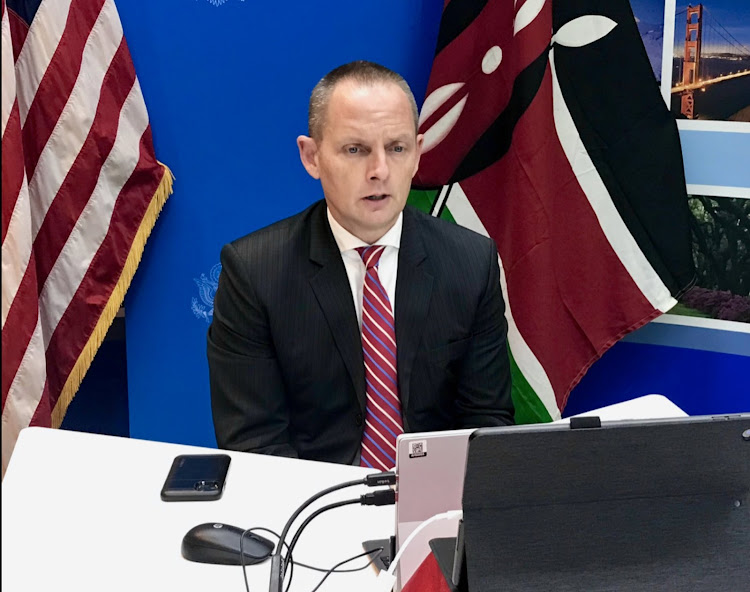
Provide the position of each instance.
(355, 267)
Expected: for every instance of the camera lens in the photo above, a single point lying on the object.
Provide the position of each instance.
(199, 485)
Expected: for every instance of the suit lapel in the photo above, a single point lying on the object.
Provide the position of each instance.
(413, 293)
(331, 288)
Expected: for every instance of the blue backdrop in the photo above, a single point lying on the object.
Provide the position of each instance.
(226, 83)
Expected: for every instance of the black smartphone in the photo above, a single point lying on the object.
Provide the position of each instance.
(196, 477)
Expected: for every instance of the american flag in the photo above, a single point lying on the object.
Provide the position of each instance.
(81, 190)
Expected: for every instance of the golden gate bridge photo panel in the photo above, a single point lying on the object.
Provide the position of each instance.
(710, 60)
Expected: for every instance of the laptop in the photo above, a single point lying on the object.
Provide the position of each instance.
(656, 505)
(430, 470)
(431, 467)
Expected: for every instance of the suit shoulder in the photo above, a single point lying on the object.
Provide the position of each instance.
(276, 238)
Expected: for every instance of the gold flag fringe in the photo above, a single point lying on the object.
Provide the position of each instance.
(115, 300)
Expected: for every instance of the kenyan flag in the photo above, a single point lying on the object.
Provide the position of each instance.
(544, 129)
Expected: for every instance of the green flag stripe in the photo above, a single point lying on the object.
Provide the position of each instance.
(529, 407)
(422, 199)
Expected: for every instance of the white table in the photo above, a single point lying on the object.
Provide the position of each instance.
(82, 512)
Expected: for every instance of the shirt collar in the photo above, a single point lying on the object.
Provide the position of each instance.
(346, 241)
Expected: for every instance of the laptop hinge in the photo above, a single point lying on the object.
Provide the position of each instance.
(591, 421)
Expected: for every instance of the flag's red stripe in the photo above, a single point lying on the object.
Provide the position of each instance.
(79, 184)
(68, 204)
(12, 166)
(78, 322)
(18, 31)
(587, 299)
(43, 415)
(58, 80)
(487, 94)
(73, 331)
(19, 326)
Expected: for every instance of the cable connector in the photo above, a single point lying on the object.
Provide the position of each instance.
(378, 479)
(277, 573)
(382, 497)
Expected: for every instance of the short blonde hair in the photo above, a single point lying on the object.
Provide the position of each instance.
(361, 71)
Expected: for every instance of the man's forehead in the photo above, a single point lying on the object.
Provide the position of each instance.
(368, 136)
(359, 107)
(354, 96)
(352, 86)
(345, 131)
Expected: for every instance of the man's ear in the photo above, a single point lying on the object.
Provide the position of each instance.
(308, 154)
(420, 143)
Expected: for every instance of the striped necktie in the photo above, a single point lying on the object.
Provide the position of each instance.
(383, 415)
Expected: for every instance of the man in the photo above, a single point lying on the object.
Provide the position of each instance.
(305, 357)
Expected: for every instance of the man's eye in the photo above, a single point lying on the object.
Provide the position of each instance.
(398, 148)
(353, 149)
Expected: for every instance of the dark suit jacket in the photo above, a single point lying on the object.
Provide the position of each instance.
(285, 353)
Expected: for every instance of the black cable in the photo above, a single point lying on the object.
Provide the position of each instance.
(372, 480)
(327, 571)
(242, 552)
(377, 551)
(312, 567)
(306, 522)
(316, 513)
(382, 497)
(278, 569)
(351, 570)
(310, 500)
(376, 498)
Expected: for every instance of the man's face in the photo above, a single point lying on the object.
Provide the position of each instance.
(366, 156)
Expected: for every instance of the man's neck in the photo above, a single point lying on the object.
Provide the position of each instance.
(346, 240)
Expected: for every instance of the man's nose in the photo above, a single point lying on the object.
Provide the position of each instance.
(377, 166)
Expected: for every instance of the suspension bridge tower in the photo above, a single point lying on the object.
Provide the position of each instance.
(691, 59)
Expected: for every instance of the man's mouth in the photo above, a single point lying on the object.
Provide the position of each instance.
(378, 197)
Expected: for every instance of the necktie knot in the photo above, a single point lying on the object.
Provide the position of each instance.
(371, 255)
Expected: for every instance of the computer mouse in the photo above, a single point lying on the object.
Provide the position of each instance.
(214, 542)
